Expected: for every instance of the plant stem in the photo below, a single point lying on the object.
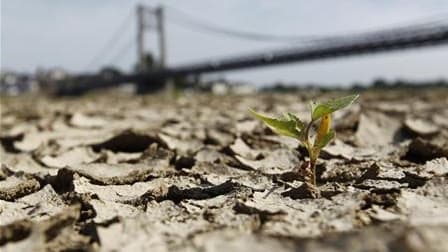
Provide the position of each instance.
(311, 154)
(307, 131)
(313, 171)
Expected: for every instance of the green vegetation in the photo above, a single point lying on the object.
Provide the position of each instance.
(291, 126)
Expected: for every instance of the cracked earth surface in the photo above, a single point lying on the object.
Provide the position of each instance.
(112, 172)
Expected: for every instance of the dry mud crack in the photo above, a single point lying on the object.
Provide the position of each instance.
(197, 173)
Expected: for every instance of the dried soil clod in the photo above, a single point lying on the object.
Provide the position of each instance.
(421, 150)
(176, 194)
(14, 187)
(305, 191)
(15, 231)
(115, 174)
(420, 127)
(264, 215)
(127, 141)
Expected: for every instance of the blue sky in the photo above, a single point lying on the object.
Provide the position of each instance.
(50, 33)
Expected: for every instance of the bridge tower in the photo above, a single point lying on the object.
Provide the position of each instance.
(149, 18)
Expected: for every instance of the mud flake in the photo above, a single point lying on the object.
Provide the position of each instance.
(383, 171)
(435, 167)
(182, 146)
(377, 129)
(427, 205)
(43, 203)
(141, 234)
(82, 120)
(30, 142)
(72, 157)
(274, 162)
(240, 148)
(341, 171)
(108, 210)
(420, 127)
(421, 150)
(12, 211)
(57, 233)
(339, 149)
(379, 214)
(121, 157)
(110, 192)
(126, 141)
(380, 185)
(304, 191)
(176, 194)
(212, 155)
(109, 174)
(218, 137)
(14, 187)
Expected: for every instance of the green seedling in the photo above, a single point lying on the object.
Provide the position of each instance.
(291, 126)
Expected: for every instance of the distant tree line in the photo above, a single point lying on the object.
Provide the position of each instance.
(378, 83)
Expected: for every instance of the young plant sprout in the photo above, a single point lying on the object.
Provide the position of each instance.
(291, 126)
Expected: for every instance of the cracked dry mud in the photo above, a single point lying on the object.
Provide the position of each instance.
(114, 172)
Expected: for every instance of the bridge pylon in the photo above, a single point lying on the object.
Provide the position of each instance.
(150, 19)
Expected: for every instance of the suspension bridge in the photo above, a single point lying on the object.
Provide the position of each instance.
(432, 32)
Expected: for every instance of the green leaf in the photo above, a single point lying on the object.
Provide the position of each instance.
(299, 124)
(328, 107)
(312, 105)
(282, 126)
(324, 140)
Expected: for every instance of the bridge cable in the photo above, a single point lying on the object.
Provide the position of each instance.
(186, 20)
(115, 36)
(123, 51)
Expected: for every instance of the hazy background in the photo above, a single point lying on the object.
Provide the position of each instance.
(49, 33)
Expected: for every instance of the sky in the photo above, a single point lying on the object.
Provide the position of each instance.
(71, 34)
